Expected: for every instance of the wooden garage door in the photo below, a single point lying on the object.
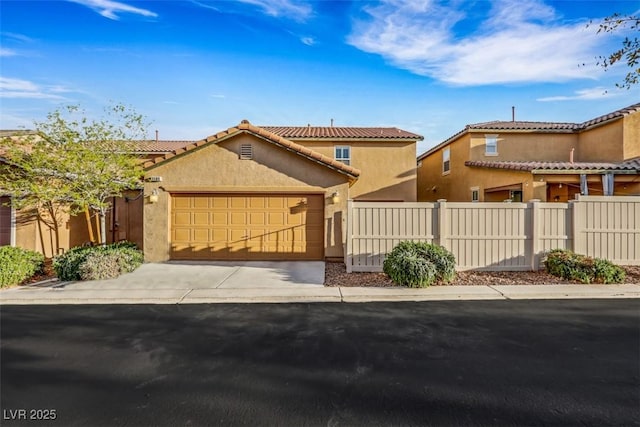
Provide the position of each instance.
(5, 222)
(247, 227)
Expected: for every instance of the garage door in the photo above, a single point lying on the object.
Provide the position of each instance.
(247, 227)
(5, 222)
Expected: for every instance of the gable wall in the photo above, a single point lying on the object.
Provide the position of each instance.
(451, 186)
(602, 143)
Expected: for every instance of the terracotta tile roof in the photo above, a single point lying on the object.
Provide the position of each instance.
(246, 127)
(160, 146)
(554, 127)
(629, 165)
(611, 116)
(337, 132)
(519, 125)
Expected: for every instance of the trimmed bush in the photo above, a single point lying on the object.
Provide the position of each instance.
(97, 262)
(419, 264)
(99, 265)
(444, 260)
(17, 265)
(572, 266)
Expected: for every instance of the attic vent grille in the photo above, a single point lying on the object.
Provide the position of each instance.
(246, 152)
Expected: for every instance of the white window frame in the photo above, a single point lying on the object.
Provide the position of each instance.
(338, 154)
(446, 161)
(491, 141)
(475, 191)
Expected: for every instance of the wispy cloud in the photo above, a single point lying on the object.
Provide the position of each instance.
(218, 96)
(7, 52)
(296, 10)
(596, 93)
(25, 89)
(309, 41)
(111, 9)
(16, 37)
(517, 41)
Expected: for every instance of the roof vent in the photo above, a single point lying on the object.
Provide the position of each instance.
(246, 152)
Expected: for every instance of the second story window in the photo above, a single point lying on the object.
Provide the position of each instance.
(491, 145)
(343, 154)
(446, 160)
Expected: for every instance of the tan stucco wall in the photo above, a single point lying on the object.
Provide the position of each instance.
(388, 169)
(525, 147)
(631, 136)
(37, 236)
(217, 168)
(602, 143)
(451, 186)
(457, 184)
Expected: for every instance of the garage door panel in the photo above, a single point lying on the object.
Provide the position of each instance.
(238, 218)
(181, 235)
(246, 227)
(257, 218)
(201, 235)
(238, 202)
(220, 218)
(276, 218)
(200, 202)
(182, 218)
(219, 202)
(200, 218)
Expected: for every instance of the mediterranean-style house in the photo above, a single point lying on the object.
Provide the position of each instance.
(251, 193)
(520, 161)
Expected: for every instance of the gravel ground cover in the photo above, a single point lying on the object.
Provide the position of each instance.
(336, 275)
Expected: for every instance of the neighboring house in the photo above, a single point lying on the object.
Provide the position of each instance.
(520, 161)
(261, 193)
(24, 229)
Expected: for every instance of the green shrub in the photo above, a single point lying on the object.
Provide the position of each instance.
(444, 260)
(419, 264)
(572, 266)
(99, 265)
(17, 265)
(84, 262)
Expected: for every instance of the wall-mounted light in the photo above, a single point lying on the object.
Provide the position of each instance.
(335, 198)
(153, 197)
(560, 185)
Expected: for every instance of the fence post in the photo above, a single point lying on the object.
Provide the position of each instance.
(443, 222)
(534, 205)
(349, 252)
(579, 224)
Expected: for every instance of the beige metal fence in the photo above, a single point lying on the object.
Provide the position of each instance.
(496, 236)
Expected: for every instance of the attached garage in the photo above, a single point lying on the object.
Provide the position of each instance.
(247, 226)
(245, 194)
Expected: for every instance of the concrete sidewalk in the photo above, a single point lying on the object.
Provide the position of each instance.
(269, 282)
(57, 294)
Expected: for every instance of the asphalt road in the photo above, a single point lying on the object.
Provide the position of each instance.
(570, 362)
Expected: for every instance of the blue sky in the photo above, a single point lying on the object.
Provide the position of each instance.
(194, 68)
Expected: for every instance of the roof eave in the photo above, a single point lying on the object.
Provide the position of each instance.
(583, 171)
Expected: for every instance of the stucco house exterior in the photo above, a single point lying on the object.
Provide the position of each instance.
(549, 161)
(248, 193)
(263, 193)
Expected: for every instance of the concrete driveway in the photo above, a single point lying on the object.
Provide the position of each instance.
(215, 275)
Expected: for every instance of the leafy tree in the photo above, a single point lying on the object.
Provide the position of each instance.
(630, 50)
(75, 163)
(25, 174)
